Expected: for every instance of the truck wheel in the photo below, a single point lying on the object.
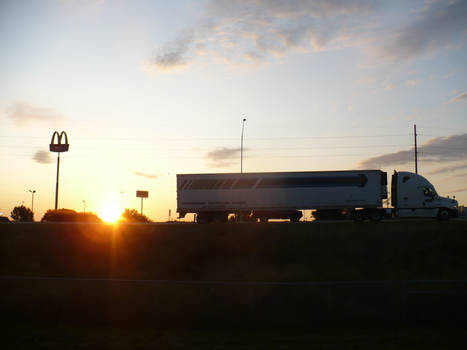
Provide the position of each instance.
(443, 214)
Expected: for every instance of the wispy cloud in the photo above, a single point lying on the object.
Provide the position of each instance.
(223, 157)
(148, 176)
(459, 98)
(174, 55)
(21, 113)
(42, 157)
(459, 190)
(239, 31)
(448, 169)
(411, 83)
(254, 30)
(440, 25)
(441, 150)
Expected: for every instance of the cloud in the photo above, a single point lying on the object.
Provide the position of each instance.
(448, 169)
(441, 150)
(411, 83)
(21, 113)
(148, 176)
(459, 190)
(42, 157)
(173, 55)
(253, 30)
(463, 175)
(440, 25)
(459, 98)
(223, 157)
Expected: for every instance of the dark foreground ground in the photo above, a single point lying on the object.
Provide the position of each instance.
(234, 286)
(40, 336)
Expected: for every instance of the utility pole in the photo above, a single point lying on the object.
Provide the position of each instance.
(84, 205)
(415, 148)
(32, 200)
(241, 147)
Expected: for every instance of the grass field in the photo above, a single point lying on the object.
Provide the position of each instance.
(110, 286)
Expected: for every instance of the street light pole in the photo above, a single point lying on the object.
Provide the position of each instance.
(84, 205)
(32, 200)
(241, 147)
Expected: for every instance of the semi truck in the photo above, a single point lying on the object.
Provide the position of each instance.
(356, 194)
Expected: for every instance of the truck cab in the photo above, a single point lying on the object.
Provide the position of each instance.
(412, 195)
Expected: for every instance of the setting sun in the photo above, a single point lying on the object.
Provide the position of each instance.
(110, 212)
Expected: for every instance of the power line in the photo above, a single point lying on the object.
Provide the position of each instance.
(311, 147)
(204, 157)
(215, 138)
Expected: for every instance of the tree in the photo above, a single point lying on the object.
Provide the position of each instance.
(131, 215)
(69, 215)
(63, 215)
(22, 214)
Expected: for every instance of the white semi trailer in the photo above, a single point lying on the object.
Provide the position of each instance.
(282, 195)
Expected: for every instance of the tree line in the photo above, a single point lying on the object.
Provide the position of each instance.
(24, 214)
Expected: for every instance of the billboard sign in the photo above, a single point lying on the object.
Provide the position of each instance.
(142, 194)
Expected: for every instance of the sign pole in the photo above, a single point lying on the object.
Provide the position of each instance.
(56, 184)
(142, 195)
(58, 146)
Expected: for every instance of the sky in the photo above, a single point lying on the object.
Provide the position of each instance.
(146, 90)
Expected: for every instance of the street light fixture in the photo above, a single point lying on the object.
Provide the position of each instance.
(32, 200)
(241, 147)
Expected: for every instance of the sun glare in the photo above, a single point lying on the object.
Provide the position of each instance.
(110, 212)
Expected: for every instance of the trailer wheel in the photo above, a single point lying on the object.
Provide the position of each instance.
(294, 219)
(376, 215)
(359, 215)
(443, 214)
(221, 217)
(203, 218)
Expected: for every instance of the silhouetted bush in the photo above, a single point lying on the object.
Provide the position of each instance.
(68, 215)
(4, 219)
(22, 214)
(131, 215)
